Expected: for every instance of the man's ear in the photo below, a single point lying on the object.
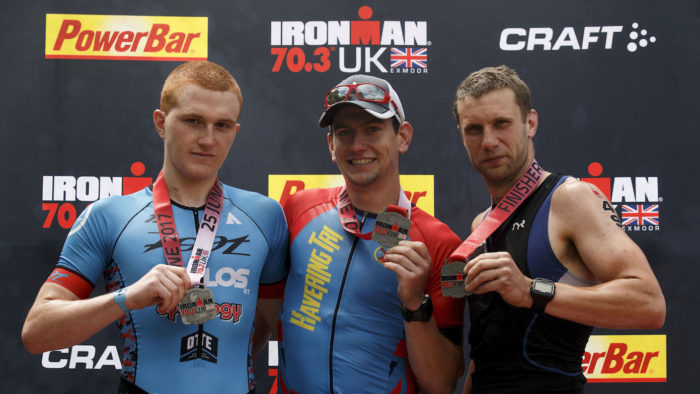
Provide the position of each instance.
(405, 134)
(159, 122)
(531, 123)
(331, 146)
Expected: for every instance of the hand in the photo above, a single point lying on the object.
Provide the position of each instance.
(497, 272)
(411, 262)
(164, 285)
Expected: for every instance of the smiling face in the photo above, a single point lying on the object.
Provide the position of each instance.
(198, 133)
(497, 138)
(366, 148)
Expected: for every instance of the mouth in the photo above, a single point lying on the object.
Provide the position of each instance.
(203, 155)
(361, 161)
(493, 161)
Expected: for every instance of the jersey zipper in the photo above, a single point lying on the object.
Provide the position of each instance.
(337, 305)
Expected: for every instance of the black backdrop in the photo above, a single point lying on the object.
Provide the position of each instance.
(619, 89)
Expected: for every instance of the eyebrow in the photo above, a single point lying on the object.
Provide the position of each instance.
(196, 115)
(370, 121)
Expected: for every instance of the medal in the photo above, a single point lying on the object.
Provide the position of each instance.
(391, 226)
(452, 272)
(452, 278)
(197, 306)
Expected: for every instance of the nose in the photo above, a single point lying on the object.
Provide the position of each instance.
(359, 143)
(206, 135)
(490, 139)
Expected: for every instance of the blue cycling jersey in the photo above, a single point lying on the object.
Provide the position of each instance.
(118, 238)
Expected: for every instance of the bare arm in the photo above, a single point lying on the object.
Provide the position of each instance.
(629, 295)
(59, 319)
(589, 242)
(436, 362)
(266, 316)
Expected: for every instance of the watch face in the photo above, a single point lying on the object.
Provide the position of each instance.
(544, 287)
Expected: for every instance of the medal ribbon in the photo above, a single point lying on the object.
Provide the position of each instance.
(205, 235)
(349, 220)
(499, 213)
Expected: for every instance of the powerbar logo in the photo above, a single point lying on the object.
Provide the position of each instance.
(126, 37)
(61, 194)
(625, 358)
(418, 188)
(635, 199)
(363, 45)
(572, 38)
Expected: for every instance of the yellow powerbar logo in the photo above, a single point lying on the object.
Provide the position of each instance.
(126, 37)
(625, 358)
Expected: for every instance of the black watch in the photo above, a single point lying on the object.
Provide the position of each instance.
(542, 291)
(423, 313)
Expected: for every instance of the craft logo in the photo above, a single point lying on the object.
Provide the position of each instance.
(419, 189)
(81, 356)
(574, 38)
(625, 358)
(636, 200)
(363, 45)
(126, 37)
(63, 195)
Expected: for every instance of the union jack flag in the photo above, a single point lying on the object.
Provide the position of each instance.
(640, 215)
(409, 57)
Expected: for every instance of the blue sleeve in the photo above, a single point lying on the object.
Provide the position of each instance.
(276, 268)
(88, 245)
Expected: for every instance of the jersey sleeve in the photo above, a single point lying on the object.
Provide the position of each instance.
(85, 253)
(276, 265)
(441, 242)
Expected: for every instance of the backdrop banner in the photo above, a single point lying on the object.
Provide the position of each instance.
(614, 83)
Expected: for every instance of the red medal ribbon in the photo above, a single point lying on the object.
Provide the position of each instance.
(348, 219)
(168, 233)
(499, 213)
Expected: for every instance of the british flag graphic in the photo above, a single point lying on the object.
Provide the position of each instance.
(409, 58)
(640, 215)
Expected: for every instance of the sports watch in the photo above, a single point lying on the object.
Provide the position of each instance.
(542, 291)
(423, 313)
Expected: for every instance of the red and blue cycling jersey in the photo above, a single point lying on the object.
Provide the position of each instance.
(341, 323)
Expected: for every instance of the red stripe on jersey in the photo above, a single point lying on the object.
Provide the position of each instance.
(71, 281)
(305, 205)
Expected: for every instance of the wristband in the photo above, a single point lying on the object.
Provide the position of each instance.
(120, 299)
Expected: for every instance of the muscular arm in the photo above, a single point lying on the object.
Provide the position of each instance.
(584, 230)
(59, 319)
(436, 362)
(588, 241)
(266, 315)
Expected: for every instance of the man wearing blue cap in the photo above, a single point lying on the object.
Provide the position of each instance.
(363, 307)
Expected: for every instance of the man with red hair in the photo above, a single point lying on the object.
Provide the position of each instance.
(188, 246)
